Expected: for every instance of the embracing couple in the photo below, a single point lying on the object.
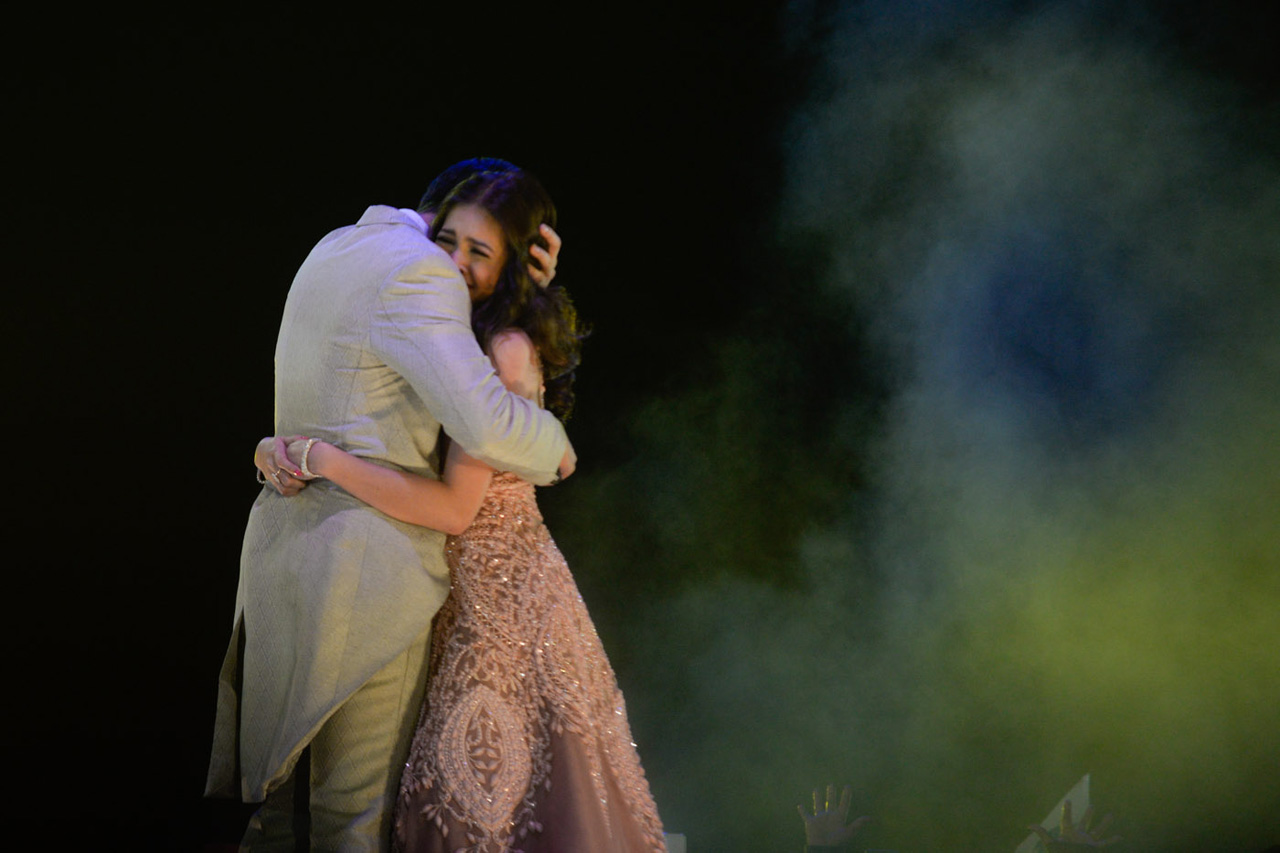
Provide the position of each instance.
(424, 364)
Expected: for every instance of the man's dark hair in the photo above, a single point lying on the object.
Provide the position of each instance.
(456, 174)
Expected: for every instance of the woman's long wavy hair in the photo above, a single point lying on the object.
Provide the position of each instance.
(519, 204)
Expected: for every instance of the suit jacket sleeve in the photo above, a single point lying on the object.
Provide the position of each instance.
(421, 327)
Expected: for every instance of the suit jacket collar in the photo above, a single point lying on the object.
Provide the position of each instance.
(381, 214)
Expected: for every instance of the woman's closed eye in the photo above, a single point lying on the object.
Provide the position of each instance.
(448, 241)
(475, 241)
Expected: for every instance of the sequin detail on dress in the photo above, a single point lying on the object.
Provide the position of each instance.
(519, 681)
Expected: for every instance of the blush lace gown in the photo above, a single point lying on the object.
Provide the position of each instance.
(523, 744)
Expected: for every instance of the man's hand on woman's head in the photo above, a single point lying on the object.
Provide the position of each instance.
(545, 267)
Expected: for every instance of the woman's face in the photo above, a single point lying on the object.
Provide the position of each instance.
(474, 240)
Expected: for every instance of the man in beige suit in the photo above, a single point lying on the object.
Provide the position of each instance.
(335, 600)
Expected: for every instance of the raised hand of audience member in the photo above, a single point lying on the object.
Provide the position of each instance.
(826, 827)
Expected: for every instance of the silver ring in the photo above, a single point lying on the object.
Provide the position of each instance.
(275, 475)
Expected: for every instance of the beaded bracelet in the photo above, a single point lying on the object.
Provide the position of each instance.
(306, 452)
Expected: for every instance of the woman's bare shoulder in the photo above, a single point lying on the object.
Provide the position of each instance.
(516, 360)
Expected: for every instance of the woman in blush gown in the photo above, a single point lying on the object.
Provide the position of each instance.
(523, 743)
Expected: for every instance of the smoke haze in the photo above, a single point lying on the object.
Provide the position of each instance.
(987, 499)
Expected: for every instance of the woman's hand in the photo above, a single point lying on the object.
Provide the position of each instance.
(545, 269)
(272, 459)
(305, 462)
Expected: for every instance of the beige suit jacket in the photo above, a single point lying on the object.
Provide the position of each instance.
(375, 354)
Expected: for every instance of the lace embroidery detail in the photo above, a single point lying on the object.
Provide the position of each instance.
(482, 762)
(515, 661)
